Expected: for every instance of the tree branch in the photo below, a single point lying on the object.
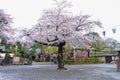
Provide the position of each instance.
(47, 44)
(55, 43)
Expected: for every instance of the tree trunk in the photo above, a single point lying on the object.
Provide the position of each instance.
(60, 57)
(60, 61)
(88, 53)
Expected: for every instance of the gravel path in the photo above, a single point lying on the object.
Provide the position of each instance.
(50, 72)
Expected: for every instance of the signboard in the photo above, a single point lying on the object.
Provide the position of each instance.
(16, 60)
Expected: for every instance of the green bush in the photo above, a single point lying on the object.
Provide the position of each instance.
(95, 60)
(55, 61)
(87, 60)
(37, 59)
(67, 60)
(47, 58)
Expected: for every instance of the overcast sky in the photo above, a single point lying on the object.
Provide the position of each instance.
(25, 13)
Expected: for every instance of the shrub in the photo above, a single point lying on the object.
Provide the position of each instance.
(55, 61)
(95, 60)
(47, 58)
(67, 60)
(37, 59)
(87, 60)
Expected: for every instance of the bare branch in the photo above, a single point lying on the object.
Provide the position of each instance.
(84, 23)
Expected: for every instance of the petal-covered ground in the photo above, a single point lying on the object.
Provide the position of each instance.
(46, 71)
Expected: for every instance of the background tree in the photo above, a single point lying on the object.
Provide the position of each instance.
(95, 41)
(57, 26)
(112, 42)
(6, 30)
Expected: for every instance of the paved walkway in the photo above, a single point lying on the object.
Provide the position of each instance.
(46, 71)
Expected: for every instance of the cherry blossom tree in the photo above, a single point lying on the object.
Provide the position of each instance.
(5, 22)
(58, 26)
